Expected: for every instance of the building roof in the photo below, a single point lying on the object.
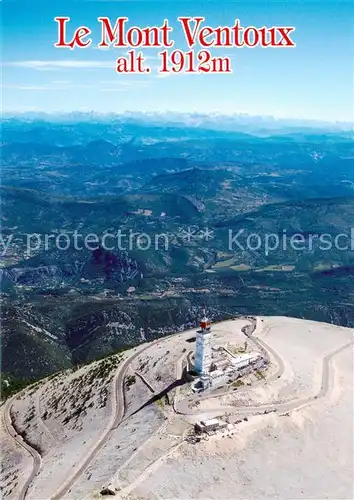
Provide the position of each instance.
(245, 356)
(213, 421)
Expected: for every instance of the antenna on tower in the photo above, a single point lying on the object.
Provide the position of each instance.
(204, 322)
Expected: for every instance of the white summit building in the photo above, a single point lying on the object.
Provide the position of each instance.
(203, 357)
(216, 365)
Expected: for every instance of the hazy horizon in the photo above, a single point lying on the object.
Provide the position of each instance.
(171, 116)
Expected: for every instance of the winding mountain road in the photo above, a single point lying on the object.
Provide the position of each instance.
(182, 407)
(117, 418)
(119, 412)
(37, 460)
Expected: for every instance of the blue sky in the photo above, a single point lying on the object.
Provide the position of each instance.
(312, 81)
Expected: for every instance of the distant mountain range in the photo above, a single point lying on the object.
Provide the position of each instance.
(260, 124)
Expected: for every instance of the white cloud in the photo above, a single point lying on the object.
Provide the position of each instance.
(61, 82)
(63, 64)
(172, 73)
(117, 85)
(56, 86)
(114, 89)
(165, 75)
(27, 87)
(125, 83)
(121, 85)
(42, 65)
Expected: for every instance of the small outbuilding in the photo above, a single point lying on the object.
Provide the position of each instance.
(209, 425)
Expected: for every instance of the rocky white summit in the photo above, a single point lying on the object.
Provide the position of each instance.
(125, 424)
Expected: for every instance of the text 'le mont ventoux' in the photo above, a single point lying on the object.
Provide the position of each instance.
(196, 34)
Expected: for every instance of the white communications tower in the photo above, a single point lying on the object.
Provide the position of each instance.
(202, 359)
